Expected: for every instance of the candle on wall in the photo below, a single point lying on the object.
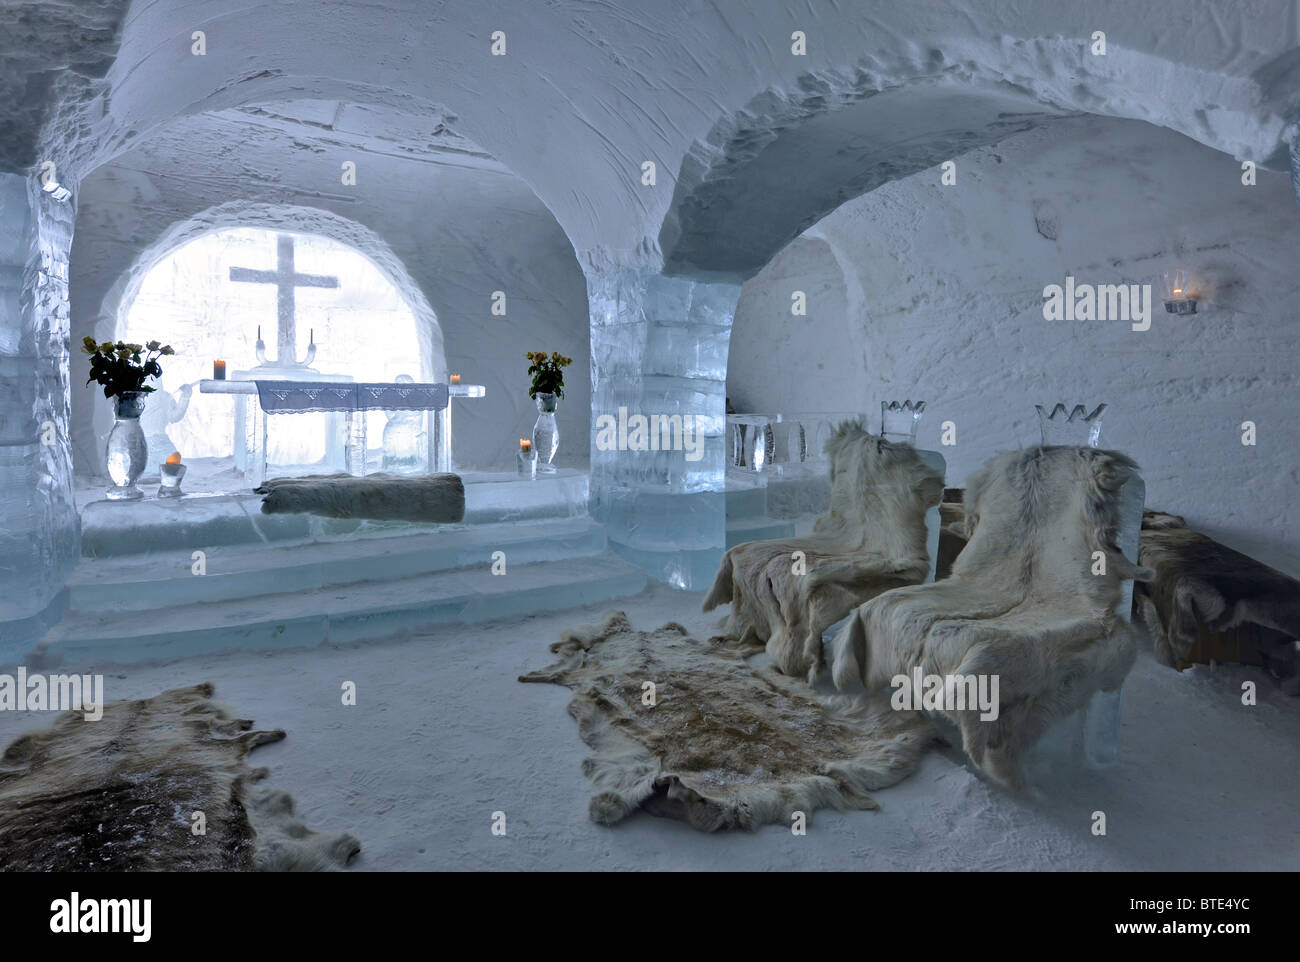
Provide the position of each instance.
(218, 370)
(455, 379)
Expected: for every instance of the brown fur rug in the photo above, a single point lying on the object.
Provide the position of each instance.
(429, 498)
(118, 795)
(1200, 583)
(725, 745)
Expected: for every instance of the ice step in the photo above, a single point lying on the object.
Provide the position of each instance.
(142, 582)
(336, 615)
(118, 528)
(757, 529)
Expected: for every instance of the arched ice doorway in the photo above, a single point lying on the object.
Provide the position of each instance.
(365, 317)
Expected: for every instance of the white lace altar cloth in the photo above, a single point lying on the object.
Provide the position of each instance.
(288, 397)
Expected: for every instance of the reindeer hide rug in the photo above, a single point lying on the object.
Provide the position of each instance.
(121, 793)
(715, 742)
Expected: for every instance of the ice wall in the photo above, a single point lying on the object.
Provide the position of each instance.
(659, 350)
(39, 527)
(944, 291)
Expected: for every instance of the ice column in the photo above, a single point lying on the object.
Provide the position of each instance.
(39, 528)
(658, 406)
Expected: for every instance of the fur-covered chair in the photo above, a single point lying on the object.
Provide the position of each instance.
(1205, 593)
(785, 593)
(1029, 600)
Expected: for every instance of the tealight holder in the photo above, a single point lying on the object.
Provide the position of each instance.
(1178, 292)
(171, 472)
(526, 459)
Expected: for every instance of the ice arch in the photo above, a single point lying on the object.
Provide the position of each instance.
(793, 153)
(91, 418)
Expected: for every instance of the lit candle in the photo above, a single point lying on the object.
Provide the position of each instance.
(172, 471)
(218, 370)
(455, 379)
(525, 460)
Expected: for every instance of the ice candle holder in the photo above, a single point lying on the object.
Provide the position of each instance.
(171, 471)
(526, 459)
(1175, 290)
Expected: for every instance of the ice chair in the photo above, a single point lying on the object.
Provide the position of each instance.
(785, 593)
(1037, 599)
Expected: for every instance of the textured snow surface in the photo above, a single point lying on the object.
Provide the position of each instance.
(443, 736)
(922, 291)
(588, 91)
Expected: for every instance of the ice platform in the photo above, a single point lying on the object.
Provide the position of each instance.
(202, 521)
(278, 581)
(130, 609)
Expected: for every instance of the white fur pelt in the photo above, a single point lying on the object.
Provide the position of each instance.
(1022, 603)
(431, 498)
(725, 745)
(872, 539)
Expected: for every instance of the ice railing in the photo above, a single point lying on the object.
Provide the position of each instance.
(780, 444)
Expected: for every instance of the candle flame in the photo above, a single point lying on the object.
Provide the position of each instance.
(174, 458)
(455, 379)
(525, 444)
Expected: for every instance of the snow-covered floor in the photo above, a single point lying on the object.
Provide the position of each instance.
(443, 736)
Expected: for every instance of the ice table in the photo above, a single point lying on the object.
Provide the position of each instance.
(353, 400)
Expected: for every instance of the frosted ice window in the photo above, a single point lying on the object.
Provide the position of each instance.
(362, 328)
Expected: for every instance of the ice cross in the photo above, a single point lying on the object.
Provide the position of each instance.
(285, 280)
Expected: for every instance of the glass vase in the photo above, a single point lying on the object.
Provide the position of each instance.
(126, 454)
(546, 436)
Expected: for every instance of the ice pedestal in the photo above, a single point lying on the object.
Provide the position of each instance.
(1091, 735)
(39, 528)
(659, 354)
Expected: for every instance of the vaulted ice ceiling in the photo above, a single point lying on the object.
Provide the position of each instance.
(711, 93)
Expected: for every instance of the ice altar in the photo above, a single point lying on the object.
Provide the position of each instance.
(287, 385)
(348, 401)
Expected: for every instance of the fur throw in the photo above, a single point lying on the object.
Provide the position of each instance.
(872, 539)
(724, 745)
(1021, 603)
(118, 794)
(432, 498)
(1200, 583)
